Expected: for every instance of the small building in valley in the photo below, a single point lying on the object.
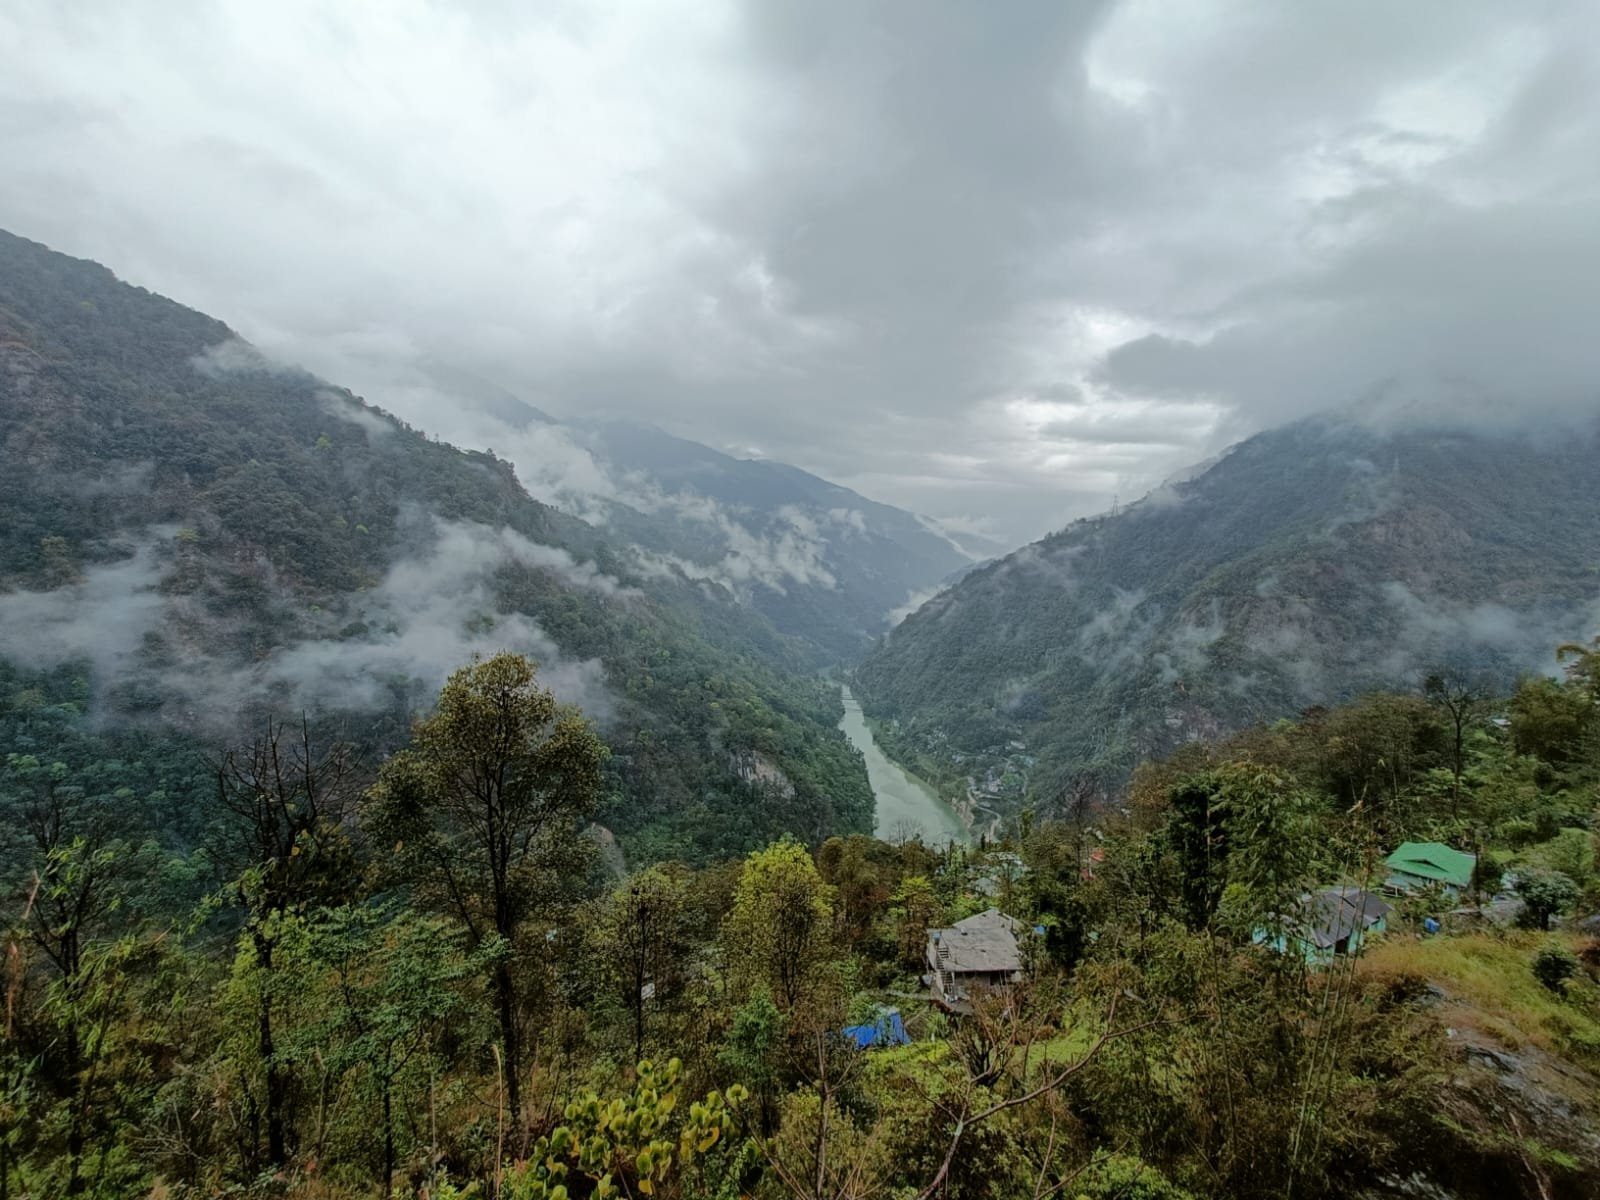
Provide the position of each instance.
(1328, 923)
(1417, 866)
(977, 954)
(1001, 869)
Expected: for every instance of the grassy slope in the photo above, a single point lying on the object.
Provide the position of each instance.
(1488, 988)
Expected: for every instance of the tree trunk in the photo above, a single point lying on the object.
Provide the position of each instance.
(639, 971)
(75, 1128)
(1455, 790)
(509, 1043)
(277, 1148)
(277, 1143)
(388, 1141)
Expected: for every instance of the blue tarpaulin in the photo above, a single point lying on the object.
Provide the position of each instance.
(887, 1030)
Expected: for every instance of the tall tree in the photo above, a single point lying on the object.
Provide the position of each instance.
(376, 988)
(286, 847)
(859, 871)
(777, 935)
(1463, 702)
(1553, 721)
(73, 879)
(483, 805)
(642, 937)
(1372, 750)
(914, 909)
(1076, 804)
(1240, 826)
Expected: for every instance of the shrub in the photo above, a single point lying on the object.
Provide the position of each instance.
(1125, 1177)
(1554, 965)
(1544, 894)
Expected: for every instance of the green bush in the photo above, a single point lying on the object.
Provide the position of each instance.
(1544, 894)
(1554, 965)
(1125, 1177)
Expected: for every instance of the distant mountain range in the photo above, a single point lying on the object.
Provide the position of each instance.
(824, 563)
(1306, 566)
(821, 561)
(196, 536)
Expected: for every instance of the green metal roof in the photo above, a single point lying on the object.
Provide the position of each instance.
(1433, 860)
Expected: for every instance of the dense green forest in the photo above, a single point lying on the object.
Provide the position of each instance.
(1309, 565)
(412, 977)
(197, 539)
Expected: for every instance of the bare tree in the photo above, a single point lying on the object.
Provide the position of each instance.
(643, 943)
(1078, 801)
(904, 830)
(819, 1169)
(1463, 702)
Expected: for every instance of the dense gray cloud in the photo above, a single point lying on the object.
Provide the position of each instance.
(996, 263)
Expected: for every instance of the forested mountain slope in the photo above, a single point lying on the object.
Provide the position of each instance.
(1308, 565)
(820, 560)
(195, 536)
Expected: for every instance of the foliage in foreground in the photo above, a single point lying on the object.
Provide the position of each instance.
(416, 980)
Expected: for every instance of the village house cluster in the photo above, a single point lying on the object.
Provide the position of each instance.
(988, 951)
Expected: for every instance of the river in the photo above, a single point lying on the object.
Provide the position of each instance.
(903, 803)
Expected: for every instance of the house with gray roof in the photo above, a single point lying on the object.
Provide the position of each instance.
(1328, 923)
(979, 953)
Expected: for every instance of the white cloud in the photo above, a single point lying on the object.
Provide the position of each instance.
(433, 611)
(345, 409)
(101, 619)
(1006, 261)
(914, 601)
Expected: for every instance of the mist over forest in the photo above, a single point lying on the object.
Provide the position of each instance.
(833, 602)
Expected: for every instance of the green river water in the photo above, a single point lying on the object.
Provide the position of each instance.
(904, 803)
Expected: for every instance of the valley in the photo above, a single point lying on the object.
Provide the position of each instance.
(906, 808)
(450, 813)
(793, 601)
(1308, 566)
(198, 538)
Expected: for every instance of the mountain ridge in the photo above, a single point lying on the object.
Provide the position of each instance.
(1306, 565)
(196, 527)
(823, 562)
(817, 558)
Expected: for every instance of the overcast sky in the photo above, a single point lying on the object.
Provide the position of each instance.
(994, 262)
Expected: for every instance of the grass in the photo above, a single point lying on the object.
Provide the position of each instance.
(1489, 985)
(1066, 1048)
